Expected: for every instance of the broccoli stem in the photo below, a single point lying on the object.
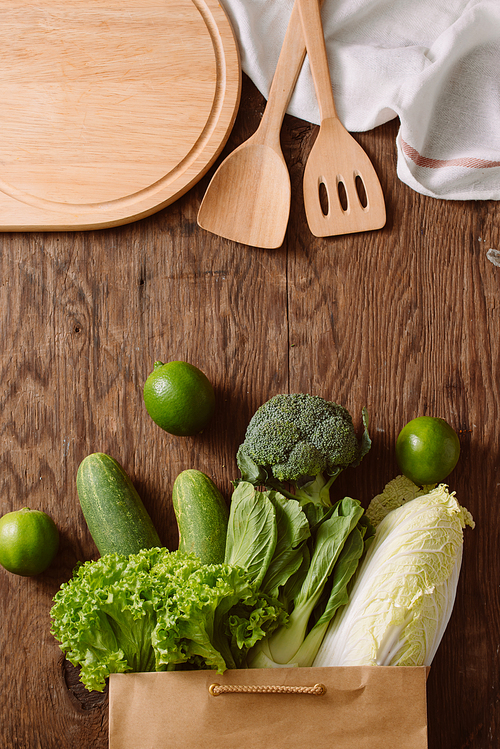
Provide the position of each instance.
(317, 491)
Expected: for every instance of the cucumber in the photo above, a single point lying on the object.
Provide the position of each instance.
(202, 516)
(114, 512)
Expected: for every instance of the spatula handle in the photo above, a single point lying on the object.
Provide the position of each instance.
(312, 27)
(285, 76)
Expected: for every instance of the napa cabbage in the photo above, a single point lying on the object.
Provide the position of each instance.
(397, 492)
(404, 591)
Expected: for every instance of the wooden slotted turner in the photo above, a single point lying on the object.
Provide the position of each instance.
(342, 193)
(248, 198)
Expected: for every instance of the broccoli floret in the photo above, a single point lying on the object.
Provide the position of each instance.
(274, 440)
(304, 460)
(302, 440)
(335, 438)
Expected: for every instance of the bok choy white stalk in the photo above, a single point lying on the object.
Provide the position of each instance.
(404, 590)
(305, 562)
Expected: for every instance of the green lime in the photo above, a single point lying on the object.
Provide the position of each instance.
(29, 540)
(179, 398)
(427, 450)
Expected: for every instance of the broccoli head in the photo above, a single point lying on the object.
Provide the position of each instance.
(303, 440)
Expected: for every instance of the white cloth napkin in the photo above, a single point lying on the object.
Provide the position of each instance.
(435, 64)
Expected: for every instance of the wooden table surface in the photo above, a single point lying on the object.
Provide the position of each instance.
(405, 320)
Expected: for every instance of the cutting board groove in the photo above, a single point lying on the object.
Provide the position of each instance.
(110, 110)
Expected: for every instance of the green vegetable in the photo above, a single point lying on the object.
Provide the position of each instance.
(159, 610)
(202, 516)
(397, 492)
(114, 512)
(252, 532)
(308, 566)
(303, 440)
(266, 536)
(404, 590)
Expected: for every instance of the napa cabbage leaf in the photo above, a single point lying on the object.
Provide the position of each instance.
(404, 590)
(397, 492)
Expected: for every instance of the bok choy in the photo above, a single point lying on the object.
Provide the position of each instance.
(306, 564)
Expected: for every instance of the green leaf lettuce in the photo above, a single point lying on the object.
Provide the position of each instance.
(159, 610)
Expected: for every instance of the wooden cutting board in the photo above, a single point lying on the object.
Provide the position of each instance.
(110, 109)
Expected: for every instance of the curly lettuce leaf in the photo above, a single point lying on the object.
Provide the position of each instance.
(216, 613)
(103, 618)
(158, 610)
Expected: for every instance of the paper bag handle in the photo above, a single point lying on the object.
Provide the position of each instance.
(218, 689)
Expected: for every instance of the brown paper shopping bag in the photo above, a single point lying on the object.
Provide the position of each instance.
(366, 707)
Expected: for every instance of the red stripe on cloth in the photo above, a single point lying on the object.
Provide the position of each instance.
(470, 163)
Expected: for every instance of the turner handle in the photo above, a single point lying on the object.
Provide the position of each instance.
(285, 76)
(312, 27)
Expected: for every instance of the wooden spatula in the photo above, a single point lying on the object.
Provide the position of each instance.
(248, 198)
(342, 193)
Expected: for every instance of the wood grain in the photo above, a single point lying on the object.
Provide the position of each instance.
(110, 111)
(248, 197)
(404, 320)
(342, 192)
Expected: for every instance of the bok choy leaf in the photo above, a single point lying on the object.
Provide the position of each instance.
(304, 561)
(252, 531)
(289, 644)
